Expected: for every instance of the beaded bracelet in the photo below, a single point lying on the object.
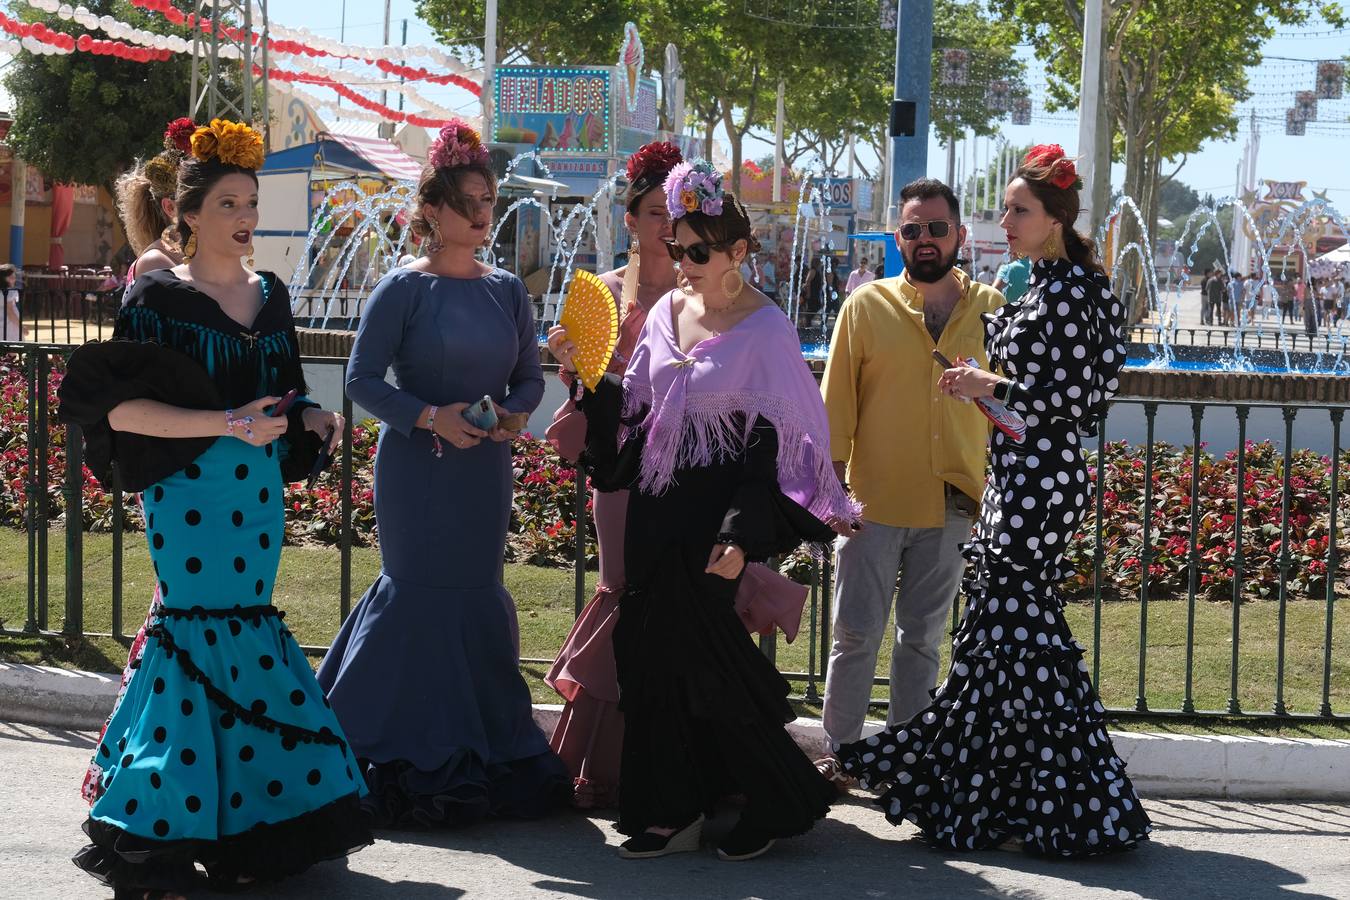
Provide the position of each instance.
(436, 446)
(243, 424)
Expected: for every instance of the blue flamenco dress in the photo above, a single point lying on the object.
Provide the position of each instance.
(224, 752)
(424, 674)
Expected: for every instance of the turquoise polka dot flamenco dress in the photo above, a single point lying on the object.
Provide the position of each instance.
(224, 753)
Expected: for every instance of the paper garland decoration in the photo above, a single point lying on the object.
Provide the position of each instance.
(592, 322)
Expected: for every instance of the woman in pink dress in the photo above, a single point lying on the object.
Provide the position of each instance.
(589, 736)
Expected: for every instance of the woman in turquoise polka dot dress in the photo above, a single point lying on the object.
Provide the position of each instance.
(224, 753)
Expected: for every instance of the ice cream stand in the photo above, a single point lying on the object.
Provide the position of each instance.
(583, 122)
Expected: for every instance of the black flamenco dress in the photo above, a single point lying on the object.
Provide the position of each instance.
(223, 752)
(703, 708)
(1015, 745)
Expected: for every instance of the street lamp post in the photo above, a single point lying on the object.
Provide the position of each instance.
(909, 109)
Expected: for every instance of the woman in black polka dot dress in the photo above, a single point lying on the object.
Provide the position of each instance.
(1014, 752)
(223, 752)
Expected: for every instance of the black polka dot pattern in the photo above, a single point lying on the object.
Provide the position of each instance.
(194, 565)
(241, 472)
(192, 517)
(237, 518)
(1015, 743)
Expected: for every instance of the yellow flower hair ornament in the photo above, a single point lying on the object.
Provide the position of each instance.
(233, 143)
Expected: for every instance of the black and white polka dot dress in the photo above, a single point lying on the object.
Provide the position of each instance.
(1015, 742)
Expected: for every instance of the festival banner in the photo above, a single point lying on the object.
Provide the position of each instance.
(955, 66)
(1330, 80)
(1294, 123)
(1306, 104)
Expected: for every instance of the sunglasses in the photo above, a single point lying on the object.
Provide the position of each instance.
(698, 254)
(938, 228)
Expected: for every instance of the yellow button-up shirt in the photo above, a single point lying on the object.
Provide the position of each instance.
(901, 438)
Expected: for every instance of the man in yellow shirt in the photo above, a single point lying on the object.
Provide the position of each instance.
(913, 457)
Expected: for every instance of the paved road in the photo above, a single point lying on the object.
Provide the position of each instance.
(1202, 849)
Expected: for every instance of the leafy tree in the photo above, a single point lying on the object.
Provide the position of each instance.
(83, 118)
(1174, 70)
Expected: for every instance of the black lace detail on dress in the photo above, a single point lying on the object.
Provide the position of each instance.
(229, 705)
(254, 614)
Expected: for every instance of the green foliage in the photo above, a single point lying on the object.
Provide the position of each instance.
(838, 81)
(83, 118)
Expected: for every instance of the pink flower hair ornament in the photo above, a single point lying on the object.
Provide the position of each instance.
(694, 186)
(458, 144)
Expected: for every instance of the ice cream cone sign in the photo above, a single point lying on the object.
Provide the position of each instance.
(630, 63)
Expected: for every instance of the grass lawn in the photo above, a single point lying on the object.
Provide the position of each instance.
(310, 578)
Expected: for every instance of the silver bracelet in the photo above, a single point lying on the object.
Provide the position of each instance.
(436, 447)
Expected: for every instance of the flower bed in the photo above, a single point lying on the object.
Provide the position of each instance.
(543, 527)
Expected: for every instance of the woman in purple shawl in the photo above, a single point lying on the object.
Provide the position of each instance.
(719, 431)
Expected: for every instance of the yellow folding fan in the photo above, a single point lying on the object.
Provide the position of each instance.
(592, 322)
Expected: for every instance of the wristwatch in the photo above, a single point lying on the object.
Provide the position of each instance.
(1003, 390)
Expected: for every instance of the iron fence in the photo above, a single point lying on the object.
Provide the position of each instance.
(1333, 696)
(1267, 337)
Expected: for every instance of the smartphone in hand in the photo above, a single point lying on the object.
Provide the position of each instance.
(285, 403)
(1005, 420)
(482, 414)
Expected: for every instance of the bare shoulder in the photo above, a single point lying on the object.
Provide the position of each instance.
(153, 259)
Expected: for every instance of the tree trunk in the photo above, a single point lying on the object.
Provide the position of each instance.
(734, 137)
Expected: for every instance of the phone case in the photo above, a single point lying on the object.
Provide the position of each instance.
(482, 414)
(514, 421)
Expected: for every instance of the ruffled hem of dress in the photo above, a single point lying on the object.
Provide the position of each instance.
(463, 791)
(266, 852)
(581, 664)
(1075, 830)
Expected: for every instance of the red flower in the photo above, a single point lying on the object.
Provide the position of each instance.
(653, 161)
(1043, 154)
(178, 136)
(1063, 175)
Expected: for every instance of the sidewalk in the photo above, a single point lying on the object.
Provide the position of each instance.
(1161, 765)
(1200, 849)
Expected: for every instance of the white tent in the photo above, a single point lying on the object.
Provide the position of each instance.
(1340, 255)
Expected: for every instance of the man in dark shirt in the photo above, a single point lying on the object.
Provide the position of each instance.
(1216, 292)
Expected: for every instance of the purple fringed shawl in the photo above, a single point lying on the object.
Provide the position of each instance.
(704, 405)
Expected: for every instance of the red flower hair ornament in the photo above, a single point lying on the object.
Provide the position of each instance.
(653, 161)
(178, 136)
(1061, 171)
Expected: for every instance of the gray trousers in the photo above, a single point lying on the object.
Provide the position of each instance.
(929, 564)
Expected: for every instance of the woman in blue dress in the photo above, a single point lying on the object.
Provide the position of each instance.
(224, 751)
(424, 674)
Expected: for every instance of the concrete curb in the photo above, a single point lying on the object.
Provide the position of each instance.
(1161, 765)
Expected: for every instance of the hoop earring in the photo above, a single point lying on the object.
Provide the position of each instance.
(434, 243)
(249, 254)
(737, 285)
(190, 248)
(1051, 248)
(682, 282)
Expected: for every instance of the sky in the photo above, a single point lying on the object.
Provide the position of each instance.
(1317, 157)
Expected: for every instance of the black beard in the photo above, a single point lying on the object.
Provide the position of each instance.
(929, 271)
